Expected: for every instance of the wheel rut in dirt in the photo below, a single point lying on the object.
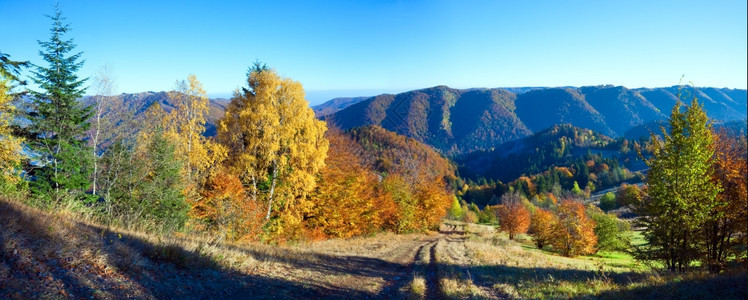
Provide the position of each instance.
(432, 279)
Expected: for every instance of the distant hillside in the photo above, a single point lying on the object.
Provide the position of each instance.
(458, 121)
(621, 108)
(451, 120)
(558, 145)
(736, 128)
(335, 105)
(541, 109)
(136, 104)
(389, 152)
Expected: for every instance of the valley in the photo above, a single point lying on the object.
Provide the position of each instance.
(551, 187)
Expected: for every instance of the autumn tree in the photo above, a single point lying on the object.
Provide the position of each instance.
(274, 143)
(542, 224)
(58, 119)
(225, 209)
(628, 195)
(681, 192)
(344, 202)
(433, 201)
(576, 190)
(727, 222)
(574, 233)
(455, 211)
(394, 189)
(514, 218)
(608, 201)
(185, 125)
(10, 145)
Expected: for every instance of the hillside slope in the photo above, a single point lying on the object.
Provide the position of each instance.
(456, 121)
(453, 121)
(335, 105)
(554, 146)
(45, 255)
(135, 105)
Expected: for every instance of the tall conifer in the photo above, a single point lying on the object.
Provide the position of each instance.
(58, 119)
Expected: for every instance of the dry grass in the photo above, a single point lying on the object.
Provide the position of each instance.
(516, 269)
(52, 254)
(418, 287)
(61, 255)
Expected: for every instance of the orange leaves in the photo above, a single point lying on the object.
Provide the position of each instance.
(224, 208)
(729, 217)
(565, 172)
(433, 201)
(574, 233)
(353, 198)
(514, 218)
(542, 224)
(344, 201)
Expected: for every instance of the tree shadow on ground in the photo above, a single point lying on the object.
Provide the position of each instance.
(34, 255)
(35, 247)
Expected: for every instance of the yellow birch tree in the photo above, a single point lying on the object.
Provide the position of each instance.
(274, 143)
(185, 125)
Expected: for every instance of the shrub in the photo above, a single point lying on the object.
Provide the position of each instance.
(608, 201)
(609, 230)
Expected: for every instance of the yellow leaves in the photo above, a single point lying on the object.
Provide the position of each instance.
(186, 124)
(10, 146)
(274, 143)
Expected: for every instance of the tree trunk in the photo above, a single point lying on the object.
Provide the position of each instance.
(272, 191)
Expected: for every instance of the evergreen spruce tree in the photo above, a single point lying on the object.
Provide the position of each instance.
(680, 192)
(58, 119)
(161, 193)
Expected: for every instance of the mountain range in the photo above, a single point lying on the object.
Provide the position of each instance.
(458, 121)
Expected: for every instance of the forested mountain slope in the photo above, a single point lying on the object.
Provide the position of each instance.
(458, 121)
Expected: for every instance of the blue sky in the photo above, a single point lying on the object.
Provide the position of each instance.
(356, 48)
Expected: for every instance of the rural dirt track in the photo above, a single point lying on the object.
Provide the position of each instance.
(421, 259)
(121, 264)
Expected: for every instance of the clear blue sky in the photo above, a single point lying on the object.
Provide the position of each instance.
(353, 48)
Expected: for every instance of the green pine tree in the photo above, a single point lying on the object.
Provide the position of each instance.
(162, 189)
(58, 119)
(680, 192)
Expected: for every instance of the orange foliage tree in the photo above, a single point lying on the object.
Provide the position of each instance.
(414, 179)
(345, 203)
(574, 233)
(514, 218)
(432, 202)
(542, 224)
(225, 208)
(728, 219)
